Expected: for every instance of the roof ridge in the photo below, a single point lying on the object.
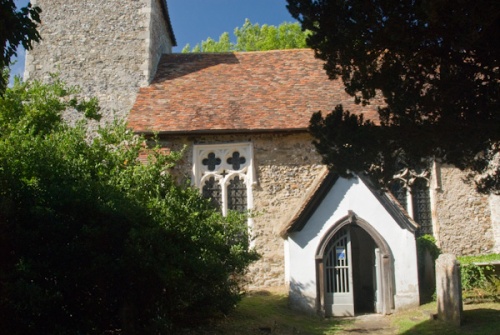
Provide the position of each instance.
(242, 52)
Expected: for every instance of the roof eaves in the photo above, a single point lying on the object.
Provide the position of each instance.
(301, 218)
(392, 206)
(218, 131)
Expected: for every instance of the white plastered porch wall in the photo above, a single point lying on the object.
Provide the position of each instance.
(350, 195)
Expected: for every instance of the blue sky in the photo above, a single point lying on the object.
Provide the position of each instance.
(196, 20)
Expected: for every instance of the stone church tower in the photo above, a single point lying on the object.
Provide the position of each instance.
(108, 48)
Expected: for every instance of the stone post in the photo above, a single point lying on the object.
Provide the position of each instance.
(449, 289)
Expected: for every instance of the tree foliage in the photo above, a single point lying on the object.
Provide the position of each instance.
(17, 26)
(436, 63)
(91, 239)
(253, 37)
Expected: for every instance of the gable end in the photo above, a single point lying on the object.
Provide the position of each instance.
(171, 34)
(304, 214)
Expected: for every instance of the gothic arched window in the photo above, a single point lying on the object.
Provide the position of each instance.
(224, 173)
(212, 190)
(237, 195)
(398, 189)
(413, 193)
(421, 205)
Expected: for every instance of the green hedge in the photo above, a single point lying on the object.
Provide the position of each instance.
(479, 278)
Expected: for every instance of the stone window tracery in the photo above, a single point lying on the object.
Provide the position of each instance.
(412, 190)
(224, 174)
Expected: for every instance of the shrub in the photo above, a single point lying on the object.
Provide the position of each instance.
(473, 276)
(479, 282)
(92, 240)
(426, 245)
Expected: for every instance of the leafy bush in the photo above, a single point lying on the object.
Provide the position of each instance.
(92, 240)
(473, 276)
(494, 286)
(427, 243)
(426, 246)
(479, 281)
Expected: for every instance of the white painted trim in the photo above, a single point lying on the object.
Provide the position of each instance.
(224, 171)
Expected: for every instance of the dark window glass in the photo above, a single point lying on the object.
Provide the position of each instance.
(400, 193)
(421, 202)
(212, 190)
(237, 195)
(422, 206)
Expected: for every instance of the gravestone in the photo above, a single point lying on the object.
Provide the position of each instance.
(449, 289)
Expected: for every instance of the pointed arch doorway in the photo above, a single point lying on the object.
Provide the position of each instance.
(354, 270)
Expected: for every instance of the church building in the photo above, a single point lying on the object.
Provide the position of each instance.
(341, 246)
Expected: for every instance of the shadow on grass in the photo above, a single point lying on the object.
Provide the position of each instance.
(481, 321)
(267, 312)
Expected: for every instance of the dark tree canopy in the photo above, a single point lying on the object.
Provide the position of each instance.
(436, 63)
(17, 26)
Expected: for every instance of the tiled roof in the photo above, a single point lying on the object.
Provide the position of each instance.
(237, 92)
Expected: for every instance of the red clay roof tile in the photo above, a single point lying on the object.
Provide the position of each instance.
(234, 92)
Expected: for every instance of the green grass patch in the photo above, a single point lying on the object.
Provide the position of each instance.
(262, 312)
(465, 260)
(480, 319)
(268, 312)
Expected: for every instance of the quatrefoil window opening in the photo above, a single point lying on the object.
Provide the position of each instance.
(211, 161)
(235, 161)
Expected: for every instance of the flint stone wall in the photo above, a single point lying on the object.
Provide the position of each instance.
(495, 220)
(286, 167)
(158, 42)
(101, 46)
(463, 221)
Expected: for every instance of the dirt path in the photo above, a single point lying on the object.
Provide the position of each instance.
(373, 324)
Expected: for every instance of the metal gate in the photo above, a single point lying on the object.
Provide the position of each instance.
(339, 298)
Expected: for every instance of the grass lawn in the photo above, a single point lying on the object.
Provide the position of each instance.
(267, 312)
(482, 319)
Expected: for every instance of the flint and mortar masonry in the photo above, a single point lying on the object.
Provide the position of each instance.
(100, 46)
